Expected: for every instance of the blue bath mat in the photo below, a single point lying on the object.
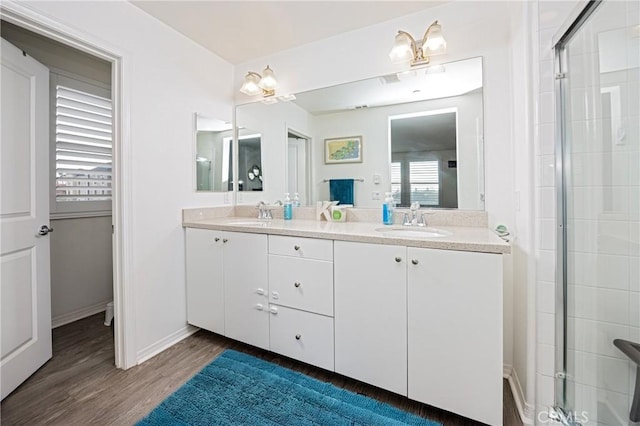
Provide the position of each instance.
(238, 389)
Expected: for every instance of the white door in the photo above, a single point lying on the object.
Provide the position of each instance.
(297, 168)
(371, 313)
(246, 288)
(25, 297)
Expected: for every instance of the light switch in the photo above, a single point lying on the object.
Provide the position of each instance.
(376, 180)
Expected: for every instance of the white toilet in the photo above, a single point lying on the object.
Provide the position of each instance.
(108, 314)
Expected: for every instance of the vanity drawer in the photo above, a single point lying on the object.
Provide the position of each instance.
(305, 284)
(301, 335)
(308, 248)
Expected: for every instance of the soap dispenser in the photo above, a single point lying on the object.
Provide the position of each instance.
(387, 209)
(296, 200)
(288, 208)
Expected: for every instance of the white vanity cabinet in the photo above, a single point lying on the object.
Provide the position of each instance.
(455, 331)
(205, 289)
(227, 284)
(301, 299)
(371, 313)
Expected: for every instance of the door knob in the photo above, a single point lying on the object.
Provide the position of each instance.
(414, 261)
(44, 230)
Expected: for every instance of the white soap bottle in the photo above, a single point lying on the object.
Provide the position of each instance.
(296, 200)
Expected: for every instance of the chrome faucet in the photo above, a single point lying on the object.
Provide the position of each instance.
(416, 219)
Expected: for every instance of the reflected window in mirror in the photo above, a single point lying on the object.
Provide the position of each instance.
(213, 163)
(423, 159)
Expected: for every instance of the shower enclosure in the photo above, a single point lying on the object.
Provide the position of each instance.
(598, 187)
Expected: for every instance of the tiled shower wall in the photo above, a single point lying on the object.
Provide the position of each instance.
(604, 280)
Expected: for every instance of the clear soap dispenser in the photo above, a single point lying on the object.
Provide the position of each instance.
(387, 209)
(288, 208)
(296, 200)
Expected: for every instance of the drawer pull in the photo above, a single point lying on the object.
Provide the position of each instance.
(297, 285)
(216, 239)
(298, 336)
(414, 261)
(296, 248)
(273, 310)
(260, 291)
(224, 240)
(398, 259)
(259, 306)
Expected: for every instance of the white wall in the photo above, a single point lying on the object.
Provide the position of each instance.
(81, 268)
(170, 78)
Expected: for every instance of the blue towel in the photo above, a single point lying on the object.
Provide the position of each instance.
(341, 190)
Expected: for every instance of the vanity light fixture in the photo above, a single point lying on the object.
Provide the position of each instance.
(254, 83)
(406, 48)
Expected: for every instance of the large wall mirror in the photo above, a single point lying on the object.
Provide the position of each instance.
(418, 134)
(213, 162)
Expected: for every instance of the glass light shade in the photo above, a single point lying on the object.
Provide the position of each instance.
(250, 86)
(435, 42)
(402, 50)
(268, 81)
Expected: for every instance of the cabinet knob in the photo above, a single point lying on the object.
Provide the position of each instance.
(414, 261)
(216, 239)
(273, 310)
(259, 306)
(296, 248)
(398, 259)
(260, 291)
(296, 285)
(224, 240)
(298, 336)
(275, 295)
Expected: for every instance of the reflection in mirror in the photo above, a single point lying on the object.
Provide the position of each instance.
(373, 109)
(423, 159)
(213, 154)
(249, 160)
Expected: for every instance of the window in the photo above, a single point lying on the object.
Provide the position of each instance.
(82, 133)
(425, 182)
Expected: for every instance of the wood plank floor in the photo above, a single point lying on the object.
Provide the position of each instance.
(81, 386)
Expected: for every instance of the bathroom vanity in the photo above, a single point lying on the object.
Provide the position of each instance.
(421, 317)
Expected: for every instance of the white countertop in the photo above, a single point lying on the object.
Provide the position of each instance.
(462, 238)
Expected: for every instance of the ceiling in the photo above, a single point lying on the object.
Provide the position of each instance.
(240, 30)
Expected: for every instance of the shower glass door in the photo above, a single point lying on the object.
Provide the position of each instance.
(599, 210)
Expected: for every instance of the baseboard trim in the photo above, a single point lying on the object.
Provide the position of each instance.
(70, 317)
(525, 411)
(506, 371)
(165, 343)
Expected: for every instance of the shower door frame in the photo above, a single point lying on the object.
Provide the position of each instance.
(565, 33)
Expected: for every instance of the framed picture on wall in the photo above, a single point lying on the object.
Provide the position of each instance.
(343, 150)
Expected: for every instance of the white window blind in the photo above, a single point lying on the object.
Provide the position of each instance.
(396, 182)
(83, 146)
(425, 182)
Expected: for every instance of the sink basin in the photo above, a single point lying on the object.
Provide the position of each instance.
(249, 222)
(413, 232)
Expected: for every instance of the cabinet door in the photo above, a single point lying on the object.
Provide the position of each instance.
(246, 288)
(205, 292)
(455, 331)
(371, 314)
